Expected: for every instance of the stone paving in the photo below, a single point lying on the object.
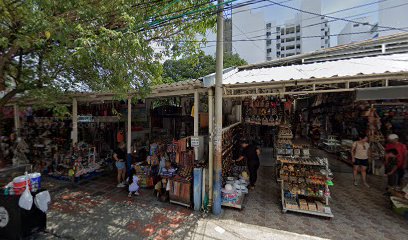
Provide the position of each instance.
(99, 210)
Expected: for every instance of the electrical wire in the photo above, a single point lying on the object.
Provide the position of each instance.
(334, 20)
(337, 18)
(265, 39)
(338, 11)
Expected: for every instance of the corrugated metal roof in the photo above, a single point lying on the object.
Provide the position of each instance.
(177, 85)
(340, 68)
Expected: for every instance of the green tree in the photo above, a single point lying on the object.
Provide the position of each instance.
(51, 47)
(196, 66)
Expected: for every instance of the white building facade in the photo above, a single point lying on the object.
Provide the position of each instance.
(357, 32)
(392, 14)
(304, 33)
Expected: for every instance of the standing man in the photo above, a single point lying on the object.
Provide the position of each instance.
(251, 153)
(394, 143)
(120, 156)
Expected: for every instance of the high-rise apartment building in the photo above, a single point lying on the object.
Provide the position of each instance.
(392, 14)
(357, 31)
(306, 32)
(239, 35)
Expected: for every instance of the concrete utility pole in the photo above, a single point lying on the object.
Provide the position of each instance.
(218, 111)
(210, 146)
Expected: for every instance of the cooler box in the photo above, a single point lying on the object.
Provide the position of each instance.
(15, 222)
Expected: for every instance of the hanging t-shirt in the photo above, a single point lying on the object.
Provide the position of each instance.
(120, 137)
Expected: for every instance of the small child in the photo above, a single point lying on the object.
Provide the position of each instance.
(133, 183)
(391, 167)
(162, 188)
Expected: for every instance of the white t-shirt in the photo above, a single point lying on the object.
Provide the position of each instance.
(361, 150)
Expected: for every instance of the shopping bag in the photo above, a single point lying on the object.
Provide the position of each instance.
(26, 199)
(42, 200)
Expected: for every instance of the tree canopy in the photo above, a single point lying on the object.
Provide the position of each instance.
(194, 67)
(50, 47)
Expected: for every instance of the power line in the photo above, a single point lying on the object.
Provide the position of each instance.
(337, 18)
(265, 39)
(333, 20)
(338, 11)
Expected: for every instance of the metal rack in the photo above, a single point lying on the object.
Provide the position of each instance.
(323, 164)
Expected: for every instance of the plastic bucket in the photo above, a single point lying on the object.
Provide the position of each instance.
(35, 180)
(19, 184)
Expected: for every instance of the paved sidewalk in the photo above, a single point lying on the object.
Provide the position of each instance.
(99, 210)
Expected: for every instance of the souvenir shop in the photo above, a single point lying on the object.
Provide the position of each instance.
(292, 109)
(270, 123)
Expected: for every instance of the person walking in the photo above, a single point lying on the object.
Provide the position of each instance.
(360, 152)
(251, 153)
(120, 156)
(394, 143)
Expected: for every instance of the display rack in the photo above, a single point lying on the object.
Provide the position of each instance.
(230, 137)
(304, 185)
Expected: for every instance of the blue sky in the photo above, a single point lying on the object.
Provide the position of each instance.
(280, 14)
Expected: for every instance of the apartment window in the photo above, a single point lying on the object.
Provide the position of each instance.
(268, 34)
(269, 50)
(268, 42)
(282, 48)
(298, 38)
(282, 31)
(290, 39)
(278, 45)
(290, 30)
(322, 37)
(356, 25)
(268, 58)
(282, 40)
(277, 29)
(278, 37)
(290, 47)
(289, 54)
(365, 24)
(326, 34)
(298, 28)
(268, 25)
(298, 46)
(283, 55)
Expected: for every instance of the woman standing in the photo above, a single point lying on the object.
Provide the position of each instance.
(120, 156)
(359, 155)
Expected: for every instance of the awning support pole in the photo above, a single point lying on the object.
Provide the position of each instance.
(196, 120)
(129, 133)
(74, 121)
(17, 120)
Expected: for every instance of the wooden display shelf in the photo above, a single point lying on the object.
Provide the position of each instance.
(317, 213)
